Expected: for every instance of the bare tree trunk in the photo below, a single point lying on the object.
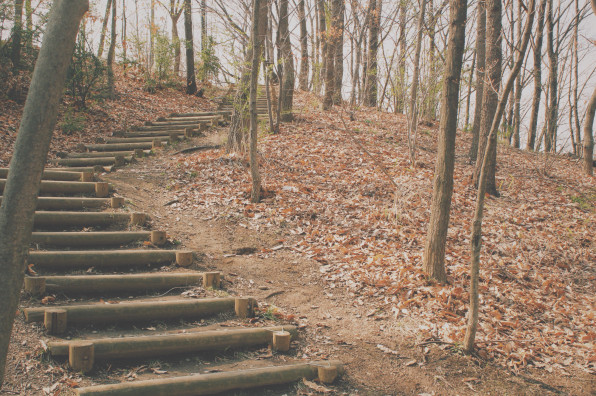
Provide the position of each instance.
(589, 136)
(490, 98)
(124, 40)
(255, 195)
(111, 54)
(518, 86)
(287, 84)
(480, 73)
(303, 76)
(550, 139)
(476, 234)
(469, 95)
(104, 28)
(370, 88)
(152, 29)
(338, 62)
(203, 25)
(401, 100)
(331, 40)
(537, 77)
(574, 105)
(175, 13)
(191, 82)
(17, 32)
(29, 157)
(434, 250)
(323, 40)
(413, 121)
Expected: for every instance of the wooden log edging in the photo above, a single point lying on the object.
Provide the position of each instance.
(70, 203)
(136, 311)
(94, 169)
(107, 147)
(86, 219)
(96, 238)
(213, 383)
(56, 175)
(92, 284)
(126, 153)
(64, 187)
(103, 161)
(141, 347)
(164, 137)
(104, 258)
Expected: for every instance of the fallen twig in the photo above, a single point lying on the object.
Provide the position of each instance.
(275, 293)
(198, 148)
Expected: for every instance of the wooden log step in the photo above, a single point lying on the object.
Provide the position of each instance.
(200, 114)
(69, 187)
(195, 125)
(95, 238)
(179, 133)
(164, 138)
(136, 311)
(73, 203)
(101, 258)
(186, 121)
(129, 153)
(93, 284)
(214, 383)
(119, 146)
(86, 219)
(58, 175)
(94, 169)
(103, 161)
(175, 344)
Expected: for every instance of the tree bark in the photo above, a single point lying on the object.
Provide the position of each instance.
(288, 78)
(29, 156)
(255, 195)
(338, 62)
(111, 54)
(191, 82)
(490, 98)
(175, 13)
(434, 250)
(480, 73)
(331, 40)
(537, 72)
(518, 86)
(550, 139)
(589, 134)
(104, 28)
(323, 43)
(476, 234)
(303, 76)
(413, 121)
(401, 99)
(370, 87)
(17, 33)
(469, 95)
(575, 65)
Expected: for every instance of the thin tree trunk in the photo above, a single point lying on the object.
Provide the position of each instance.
(303, 76)
(17, 33)
(287, 84)
(434, 250)
(104, 29)
(174, 17)
(323, 46)
(338, 62)
(469, 96)
(589, 135)
(476, 234)
(553, 114)
(255, 195)
(480, 74)
(331, 40)
(191, 82)
(490, 98)
(152, 30)
(370, 87)
(413, 121)
(399, 107)
(111, 54)
(537, 72)
(203, 26)
(29, 156)
(574, 106)
(518, 86)
(124, 39)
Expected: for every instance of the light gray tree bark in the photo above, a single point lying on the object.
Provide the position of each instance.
(29, 157)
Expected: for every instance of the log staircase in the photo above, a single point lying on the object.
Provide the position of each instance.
(87, 242)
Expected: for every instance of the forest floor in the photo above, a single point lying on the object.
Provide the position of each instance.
(337, 249)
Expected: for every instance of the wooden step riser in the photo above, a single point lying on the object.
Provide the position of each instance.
(64, 187)
(179, 344)
(94, 284)
(91, 239)
(136, 312)
(103, 161)
(216, 383)
(100, 258)
(193, 125)
(200, 114)
(56, 175)
(69, 203)
(76, 219)
(119, 147)
(127, 153)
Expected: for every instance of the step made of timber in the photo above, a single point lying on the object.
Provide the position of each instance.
(101, 258)
(103, 161)
(57, 175)
(93, 284)
(163, 345)
(119, 146)
(127, 153)
(97, 238)
(214, 383)
(136, 311)
(86, 219)
(65, 187)
(164, 138)
(200, 114)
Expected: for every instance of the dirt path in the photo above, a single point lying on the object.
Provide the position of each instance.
(380, 353)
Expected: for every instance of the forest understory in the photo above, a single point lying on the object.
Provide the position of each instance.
(343, 247)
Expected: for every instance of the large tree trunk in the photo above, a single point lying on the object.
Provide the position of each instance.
(104, 28)
(288, 78)
(322, 33)
(303, 76)
(111, 54)
(29, 157)
(490, 99)
(338, 62)
(537, 72)
(476, 234)
(191, 82)
(550, 139)
(434, 250)
(370, 87)
(254, 73)
(331, 40)
(480, 72)
(17, 33)
(413, 121)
